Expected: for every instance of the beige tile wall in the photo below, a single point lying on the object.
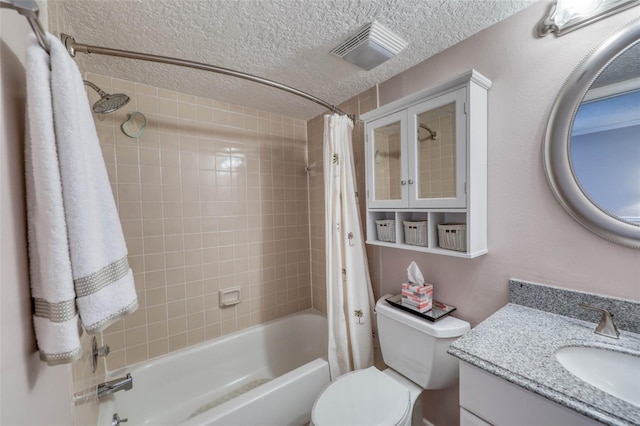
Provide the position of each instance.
(395, 166)
(436, 158)
(388, 167)
(357, 105)
(382, 174)
(211, 196)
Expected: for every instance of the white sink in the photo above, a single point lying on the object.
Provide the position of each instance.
(616, 373)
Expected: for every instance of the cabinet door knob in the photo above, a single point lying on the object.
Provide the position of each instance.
(403, 182)
(410, 181)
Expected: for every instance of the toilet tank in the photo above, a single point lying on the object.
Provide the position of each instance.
(416, 347)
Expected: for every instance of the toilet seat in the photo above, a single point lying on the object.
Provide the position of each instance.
(365, 397)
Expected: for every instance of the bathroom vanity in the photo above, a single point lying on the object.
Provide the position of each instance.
(516, 364)
(426, 163)
(485, 396)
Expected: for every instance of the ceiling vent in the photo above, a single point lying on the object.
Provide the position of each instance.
(372, 45)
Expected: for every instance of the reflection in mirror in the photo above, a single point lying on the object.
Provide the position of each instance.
(591, 153)
(387, 162)
(436, 155)
(605, 139)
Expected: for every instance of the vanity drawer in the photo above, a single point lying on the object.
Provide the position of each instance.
(469, 419)
(504, 404)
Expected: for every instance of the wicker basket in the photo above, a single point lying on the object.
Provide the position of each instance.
(415, 233)
(386, 230)
(452, 236)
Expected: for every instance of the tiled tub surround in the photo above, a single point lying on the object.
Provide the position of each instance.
(518, 344)
(211, 196)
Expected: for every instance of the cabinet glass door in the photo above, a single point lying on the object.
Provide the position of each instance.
(387, 174)
(437, 154)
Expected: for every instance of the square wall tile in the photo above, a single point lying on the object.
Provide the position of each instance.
(212, 195)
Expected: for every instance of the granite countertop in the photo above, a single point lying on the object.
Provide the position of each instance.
(518, 344)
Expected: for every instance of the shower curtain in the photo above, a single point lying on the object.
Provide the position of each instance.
(349, 293)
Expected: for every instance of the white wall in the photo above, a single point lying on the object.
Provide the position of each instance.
(30, 392)
(530, 235)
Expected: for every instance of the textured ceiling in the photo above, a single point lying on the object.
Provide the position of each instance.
(282, 40)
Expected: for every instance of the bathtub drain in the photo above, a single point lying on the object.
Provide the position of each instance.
(237, 392)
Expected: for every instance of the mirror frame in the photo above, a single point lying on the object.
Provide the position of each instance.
(557, 142)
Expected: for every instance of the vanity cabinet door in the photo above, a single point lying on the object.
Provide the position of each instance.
(470, 419)
(437, 154)
(387, 171)
(502, 403)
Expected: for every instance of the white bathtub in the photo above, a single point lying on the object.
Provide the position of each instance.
(287, 357)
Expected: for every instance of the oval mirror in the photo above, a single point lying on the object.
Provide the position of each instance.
(592, 142)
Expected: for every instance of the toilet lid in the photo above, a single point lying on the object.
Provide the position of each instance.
(365, 397)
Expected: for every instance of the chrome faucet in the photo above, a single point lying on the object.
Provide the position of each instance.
(606, 327)
(116, 420)
(113, 386)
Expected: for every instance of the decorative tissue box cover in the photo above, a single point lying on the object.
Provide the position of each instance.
(422, 291)
(417, 297)
(418, 306)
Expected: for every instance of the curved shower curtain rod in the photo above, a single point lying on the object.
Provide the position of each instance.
(73, 47)
(29, 9)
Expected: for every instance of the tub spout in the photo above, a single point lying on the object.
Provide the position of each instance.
(113, 386)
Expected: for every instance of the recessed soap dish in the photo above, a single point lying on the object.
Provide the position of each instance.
(229, 296)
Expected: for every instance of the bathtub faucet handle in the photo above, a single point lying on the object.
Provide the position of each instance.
(96, 352)
(116, 420)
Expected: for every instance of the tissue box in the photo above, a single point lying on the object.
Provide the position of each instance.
(420, 307)
(417, 297)
(423, 290)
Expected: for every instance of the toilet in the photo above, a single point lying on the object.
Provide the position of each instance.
(415, 350)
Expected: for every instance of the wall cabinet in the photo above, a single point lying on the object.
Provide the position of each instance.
(426, 160)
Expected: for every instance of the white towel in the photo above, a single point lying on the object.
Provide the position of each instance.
(102, 279)
(55, 318)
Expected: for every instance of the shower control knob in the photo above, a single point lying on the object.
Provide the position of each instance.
(97, 352)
